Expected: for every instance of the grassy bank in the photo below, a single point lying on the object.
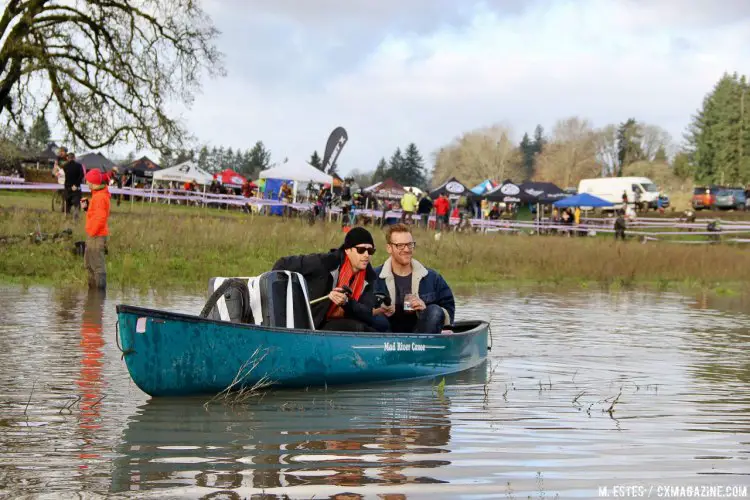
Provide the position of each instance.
(161, 247)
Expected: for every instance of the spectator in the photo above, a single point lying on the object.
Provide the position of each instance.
(97, 231)
(424, 208)
(74, 177)
(442, 208)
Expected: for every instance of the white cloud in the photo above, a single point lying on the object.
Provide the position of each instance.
(606, 60)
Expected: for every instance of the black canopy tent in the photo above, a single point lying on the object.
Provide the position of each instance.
(508, 192)
(96, 160)
(543, 192)
(142, 167)
(451, 187)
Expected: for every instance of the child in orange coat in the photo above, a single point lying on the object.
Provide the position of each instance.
(97, 231)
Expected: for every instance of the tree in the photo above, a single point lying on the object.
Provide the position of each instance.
(381, 172)
(718, 138)
(166, 158)
(487, 153)
(661, 155)
(394, 165)
(571, 155)
(412, 168)
(203, 158)
(108, 68)
(362, 179)
(607, 151)
(528, 150)
(539, 140)
(628, 144)
(39, 134)
(681, 166)
(260, 159)
(316, 161)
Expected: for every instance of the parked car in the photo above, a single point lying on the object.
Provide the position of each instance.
(731, 199)
(704, 197)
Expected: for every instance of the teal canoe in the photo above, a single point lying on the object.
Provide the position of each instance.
(173, 354)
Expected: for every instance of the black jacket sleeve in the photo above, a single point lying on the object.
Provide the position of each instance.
(362, 309)
(303, 264)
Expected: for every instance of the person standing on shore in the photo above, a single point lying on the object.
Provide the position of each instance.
(97, 230)
(74, 177)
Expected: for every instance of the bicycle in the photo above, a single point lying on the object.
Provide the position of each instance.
(58, 201)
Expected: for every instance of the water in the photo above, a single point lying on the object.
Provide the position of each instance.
(532, 422)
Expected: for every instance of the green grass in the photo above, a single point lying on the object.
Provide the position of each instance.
(164, 247)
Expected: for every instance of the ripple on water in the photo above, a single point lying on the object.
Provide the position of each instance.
(581, 390)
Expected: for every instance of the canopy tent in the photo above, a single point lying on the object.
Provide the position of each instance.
(184, 172)
(583, 200)
(543, 192)
(508, 192)
(301, 172)
(387, 189)
(230, 178)
(451, 187)
(483, 188)
(142, 167)
(95, 160)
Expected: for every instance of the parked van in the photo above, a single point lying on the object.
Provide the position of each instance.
(612, 188)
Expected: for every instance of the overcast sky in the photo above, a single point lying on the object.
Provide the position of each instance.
(425, 71)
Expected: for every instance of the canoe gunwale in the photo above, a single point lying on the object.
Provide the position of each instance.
(479, 325)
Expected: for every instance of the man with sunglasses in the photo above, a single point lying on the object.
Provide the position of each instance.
(422, 302)
(327, 274)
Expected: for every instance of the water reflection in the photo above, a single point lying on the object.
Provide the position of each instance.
(89, 381)
(370, 435)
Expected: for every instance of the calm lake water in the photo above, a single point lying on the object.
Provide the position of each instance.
(532, 422)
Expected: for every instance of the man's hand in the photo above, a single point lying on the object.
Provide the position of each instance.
(338, 297)
(417, 304)
(386, 311)
(74, 188)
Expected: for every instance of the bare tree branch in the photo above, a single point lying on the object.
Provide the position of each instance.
(110, 68)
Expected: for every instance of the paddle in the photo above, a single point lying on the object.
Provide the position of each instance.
(348, 291)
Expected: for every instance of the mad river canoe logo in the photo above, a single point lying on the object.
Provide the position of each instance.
(398, 346)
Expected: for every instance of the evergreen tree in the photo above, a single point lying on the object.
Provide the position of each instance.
(412, 167)
(214, 162)
(39, 134)
(237, 162)
(628, 144)
(203, 159)
(229, 159)
(316, 160)
(333, 169)
(381, 171)
(394, 166)
(260, 158)
(528, 150)
(221, 163)
(719, 135)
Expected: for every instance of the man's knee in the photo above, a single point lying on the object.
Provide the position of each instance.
(431, 320)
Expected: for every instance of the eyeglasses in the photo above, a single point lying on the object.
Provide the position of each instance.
(361, 250)
(401, 246)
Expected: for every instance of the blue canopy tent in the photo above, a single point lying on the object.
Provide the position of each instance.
(583, 200)
(484, 187)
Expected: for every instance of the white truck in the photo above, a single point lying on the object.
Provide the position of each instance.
(640, 189)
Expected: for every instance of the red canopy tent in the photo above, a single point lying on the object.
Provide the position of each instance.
(387, 189)
(231, 178)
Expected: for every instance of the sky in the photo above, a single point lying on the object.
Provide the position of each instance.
(426, 71)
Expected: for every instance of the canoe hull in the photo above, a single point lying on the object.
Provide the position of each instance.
(170, 354)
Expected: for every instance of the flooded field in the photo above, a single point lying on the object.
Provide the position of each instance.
(582, 391)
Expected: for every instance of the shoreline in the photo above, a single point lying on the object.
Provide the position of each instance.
(179, 248)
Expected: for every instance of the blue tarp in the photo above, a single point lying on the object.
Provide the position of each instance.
(483, 187)
(583, 200)
(273, 186)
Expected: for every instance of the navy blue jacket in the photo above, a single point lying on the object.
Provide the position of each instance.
(432, 288)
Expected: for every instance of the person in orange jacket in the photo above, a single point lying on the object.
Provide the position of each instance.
(97, 214)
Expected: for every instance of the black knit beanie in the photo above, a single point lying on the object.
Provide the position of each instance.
(357, 236)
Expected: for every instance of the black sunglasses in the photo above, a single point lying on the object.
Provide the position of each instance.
(361, 250)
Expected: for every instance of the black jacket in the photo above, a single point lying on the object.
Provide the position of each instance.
(73, 174)
(425, 206)
(321, 274)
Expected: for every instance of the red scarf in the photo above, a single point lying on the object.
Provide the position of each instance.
(355, 281)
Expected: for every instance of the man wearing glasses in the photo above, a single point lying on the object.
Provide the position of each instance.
(422, 302)
(346, 277)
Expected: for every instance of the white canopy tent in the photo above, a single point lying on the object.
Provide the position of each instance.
(184, 172)
(301, 172)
